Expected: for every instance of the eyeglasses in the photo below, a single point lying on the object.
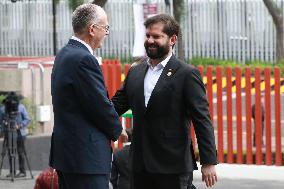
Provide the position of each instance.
(105, 28)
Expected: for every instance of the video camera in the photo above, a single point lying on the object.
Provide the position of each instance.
(11, 103)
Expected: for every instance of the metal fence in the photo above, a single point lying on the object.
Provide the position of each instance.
(241, 30)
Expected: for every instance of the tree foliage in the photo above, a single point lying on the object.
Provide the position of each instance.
(99, 2)
(277, 18)
(178, 11)
(75, 3)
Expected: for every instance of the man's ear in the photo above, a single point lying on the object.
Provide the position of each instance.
(173, 40)
(91, 30)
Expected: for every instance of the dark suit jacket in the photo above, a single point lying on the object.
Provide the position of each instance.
(161, 140)
(85, 120)
(120, 171)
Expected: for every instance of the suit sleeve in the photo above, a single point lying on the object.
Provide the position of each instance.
(1, 117)
(114, 173)
(120, 99)
(93, 98)
(197, 109)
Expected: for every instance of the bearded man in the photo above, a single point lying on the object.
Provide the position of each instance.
(165, 96)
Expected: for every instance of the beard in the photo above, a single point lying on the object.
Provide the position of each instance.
(155, 51)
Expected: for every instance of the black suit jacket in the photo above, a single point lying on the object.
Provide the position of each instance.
(85, 120)
(120, 170)
(161, 140)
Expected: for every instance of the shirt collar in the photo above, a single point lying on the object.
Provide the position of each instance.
(84, 43)
(161, 64)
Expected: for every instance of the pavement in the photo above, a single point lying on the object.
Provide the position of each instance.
(230, 176)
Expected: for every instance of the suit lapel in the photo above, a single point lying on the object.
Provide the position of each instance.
(140, 83)
(166, 75)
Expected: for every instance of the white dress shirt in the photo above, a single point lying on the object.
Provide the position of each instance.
(152, 77)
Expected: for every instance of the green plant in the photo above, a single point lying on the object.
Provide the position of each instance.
(205, 62)
(2, 97)
(31, 109)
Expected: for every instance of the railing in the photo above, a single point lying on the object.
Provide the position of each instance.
(235, 91)
(235, 30)
(231, 93)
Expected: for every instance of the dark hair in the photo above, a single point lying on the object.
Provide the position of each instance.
(11, 103)
(171, 27)
(12, 95)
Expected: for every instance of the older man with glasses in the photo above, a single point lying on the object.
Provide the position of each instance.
(85, 121)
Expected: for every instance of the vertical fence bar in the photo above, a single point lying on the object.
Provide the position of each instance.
(117, 78)
(105, 73)
(220, 114)
(200, 69)
(268, 154)
(209, 85)
(230, 155)
(278, 158)
(257, 120)
(126, 69)
(248, 116)
(110, 79)
(239, 114)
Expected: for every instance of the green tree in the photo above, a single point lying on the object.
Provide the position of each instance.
(75, 3)
(178, 6)
(277, 18)
(100, 2)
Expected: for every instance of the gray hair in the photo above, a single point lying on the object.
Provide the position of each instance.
(83, 16)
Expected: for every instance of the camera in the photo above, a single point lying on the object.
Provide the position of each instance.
(11, 104)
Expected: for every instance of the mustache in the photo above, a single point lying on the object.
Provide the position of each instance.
(151, 45)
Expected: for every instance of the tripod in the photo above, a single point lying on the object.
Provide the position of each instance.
(10, 145)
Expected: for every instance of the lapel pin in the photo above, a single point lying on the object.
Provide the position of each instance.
(169, 73)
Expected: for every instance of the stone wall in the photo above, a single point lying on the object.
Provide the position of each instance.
(33, 84)
(37, 148)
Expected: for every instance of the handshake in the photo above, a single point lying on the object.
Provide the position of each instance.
(126, 135)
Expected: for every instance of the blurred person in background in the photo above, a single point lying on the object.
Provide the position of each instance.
(120, 171)
(22, 122)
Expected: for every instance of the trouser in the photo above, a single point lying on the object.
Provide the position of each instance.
(144, 179)
(21, 153)
(82, 181)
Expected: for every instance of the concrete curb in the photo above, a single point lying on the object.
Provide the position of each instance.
(255, 172)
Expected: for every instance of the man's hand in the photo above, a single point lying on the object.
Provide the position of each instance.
(124, 136)
(209, 175)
